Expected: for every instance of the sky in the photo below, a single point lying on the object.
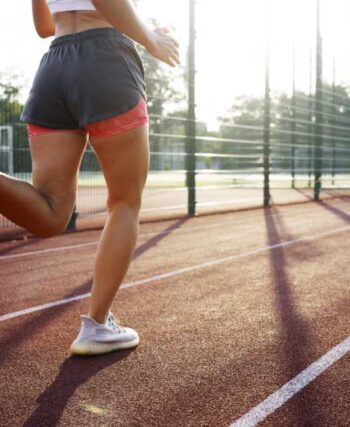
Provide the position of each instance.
(230, 44)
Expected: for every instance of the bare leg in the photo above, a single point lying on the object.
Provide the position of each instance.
(45, 207)
(124, 159)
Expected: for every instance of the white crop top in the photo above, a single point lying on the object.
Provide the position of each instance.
(66, 5)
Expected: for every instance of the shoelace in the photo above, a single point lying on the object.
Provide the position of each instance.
(114, 323)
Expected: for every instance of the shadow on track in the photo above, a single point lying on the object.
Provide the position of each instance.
(54, 399)
(339, 213)
(156, 239)
(18, 245)
(20, 334)
(14, 233)
(307, 196)
(295, 336)
(15, 336)
(73, 372)
(345, 196)
(332, 193)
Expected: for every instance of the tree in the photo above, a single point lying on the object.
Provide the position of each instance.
(10, 111)
(244, 122)
(10, 107)
(163, 96)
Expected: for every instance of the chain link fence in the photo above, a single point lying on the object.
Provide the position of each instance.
(282, 136)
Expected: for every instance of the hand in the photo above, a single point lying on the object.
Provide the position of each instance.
(164, 47)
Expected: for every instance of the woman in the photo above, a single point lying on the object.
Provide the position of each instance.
(89, 85)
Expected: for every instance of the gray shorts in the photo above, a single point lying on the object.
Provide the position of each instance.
(83, 78)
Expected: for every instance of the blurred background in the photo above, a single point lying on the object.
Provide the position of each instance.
(257, 113)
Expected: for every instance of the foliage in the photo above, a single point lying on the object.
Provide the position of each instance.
(244, 122)
(162, 94)
(10, 107)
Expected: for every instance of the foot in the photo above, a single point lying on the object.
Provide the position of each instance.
(97, 338)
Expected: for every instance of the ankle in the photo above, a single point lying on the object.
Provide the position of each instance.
(99, 317)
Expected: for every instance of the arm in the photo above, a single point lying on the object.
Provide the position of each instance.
(123, 16)
(43, 22)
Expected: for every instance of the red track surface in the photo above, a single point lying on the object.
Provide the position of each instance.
(168, 203)
(215, 341)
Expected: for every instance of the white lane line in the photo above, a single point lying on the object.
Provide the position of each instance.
(214, 203)
(164, 208)
(178, 230)
(260, 412)
(47, 251)
(176, 272)
(84, 245)
(227, 202)
(95, 242)
(42, 307)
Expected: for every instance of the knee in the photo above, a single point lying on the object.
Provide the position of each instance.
(132, 204)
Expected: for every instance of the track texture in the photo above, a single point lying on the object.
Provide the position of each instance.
(215, 341)
(171, 203)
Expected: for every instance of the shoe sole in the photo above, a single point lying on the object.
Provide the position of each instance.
(87, 348)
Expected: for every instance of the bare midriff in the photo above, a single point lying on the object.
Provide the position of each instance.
(78, 20)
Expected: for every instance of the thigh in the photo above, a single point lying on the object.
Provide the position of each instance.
(56, 158)
(124, 159)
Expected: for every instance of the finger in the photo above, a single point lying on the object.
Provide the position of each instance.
(175, 55)
(175, 52)
(176, 59)
(165, 30)
(172, 47)
(175, 42)
(170, 62)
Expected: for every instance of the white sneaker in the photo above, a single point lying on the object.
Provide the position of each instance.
(98, 338)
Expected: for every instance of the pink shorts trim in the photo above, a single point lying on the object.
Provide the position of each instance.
(34, 130)
(133, 118)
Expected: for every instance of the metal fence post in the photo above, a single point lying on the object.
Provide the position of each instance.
(294, 118)
(267, 121)
(191, 123)
(318, 109)
(334, 124)
(311, 115)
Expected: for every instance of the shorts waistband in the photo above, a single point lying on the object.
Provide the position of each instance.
(90, 34)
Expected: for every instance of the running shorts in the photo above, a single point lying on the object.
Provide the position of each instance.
(90, 81)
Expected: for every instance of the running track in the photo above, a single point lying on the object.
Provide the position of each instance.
(243, 318)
